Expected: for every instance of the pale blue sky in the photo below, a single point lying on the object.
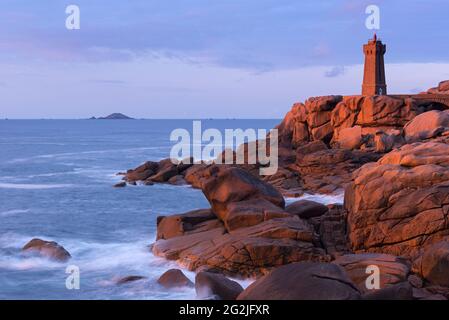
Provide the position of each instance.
(206, 58)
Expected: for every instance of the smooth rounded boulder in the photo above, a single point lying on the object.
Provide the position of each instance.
(174, 278)
(210, 285)
(47, 249)
(303, 281)
(426, 125)
(224, 185)
(306, 209)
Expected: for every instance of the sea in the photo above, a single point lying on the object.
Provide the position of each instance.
(56, 183)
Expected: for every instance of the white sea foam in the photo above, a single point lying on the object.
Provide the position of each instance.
(13, 212)
(77, 154)
(336, 198)
(33, 186)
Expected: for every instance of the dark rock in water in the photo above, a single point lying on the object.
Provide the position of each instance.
(115, 116)
(214, 285)
(120, 184)
(174, 278)
(177, 180)
(48, 249)
(129, 279)
(303, 281)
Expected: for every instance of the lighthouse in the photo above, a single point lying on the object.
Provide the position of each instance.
(374, 71)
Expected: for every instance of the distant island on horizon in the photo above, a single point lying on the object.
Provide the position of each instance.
(113, 116)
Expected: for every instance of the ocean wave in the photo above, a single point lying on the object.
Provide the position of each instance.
(72, 154)
(13, 212)
(24, 186)
(336, 198)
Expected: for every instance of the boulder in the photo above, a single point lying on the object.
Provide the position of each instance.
(350, 138)
(120, 184)
(303, 281)
(426, 125)
(142, 172)
(194, 175)
(187, 223)
(174, 278)
(216, 286)
(47, 249)
(250, 212)
(128, 279)
(306, 209)
(399, 204)
(224, 185)
(433, 265)
(392, 269)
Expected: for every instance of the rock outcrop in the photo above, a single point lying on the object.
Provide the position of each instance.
(443, 88)
(246, 252)
(400, 204)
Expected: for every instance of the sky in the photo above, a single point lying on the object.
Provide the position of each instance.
(207, 58)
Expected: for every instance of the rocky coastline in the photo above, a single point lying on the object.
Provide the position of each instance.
(390, 157)
(389, 154)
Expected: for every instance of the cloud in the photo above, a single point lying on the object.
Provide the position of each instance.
(335, 72)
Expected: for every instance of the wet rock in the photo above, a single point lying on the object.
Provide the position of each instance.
(142, 172)
(47, 249)
(129, 279)
(177, 180)
(174, 278)
(216, 286)
(120, 184)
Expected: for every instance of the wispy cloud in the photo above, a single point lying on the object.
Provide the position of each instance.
(335, 72)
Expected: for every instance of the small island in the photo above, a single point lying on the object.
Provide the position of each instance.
(113, 116)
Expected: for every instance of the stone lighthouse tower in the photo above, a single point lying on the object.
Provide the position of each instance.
(374, 73)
